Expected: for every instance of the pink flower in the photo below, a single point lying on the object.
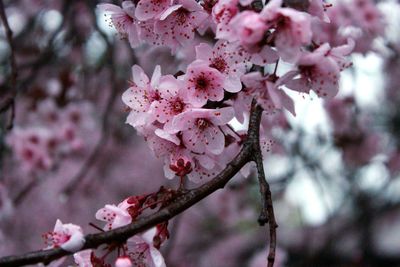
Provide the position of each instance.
(67, 236)
(141, 95)
(228, 59)
(269, 96)
(317, 72)
(178, 23)
(142, 252)
(148, 9)
(123, 262)
(203, 83)
(83, 258)
(115, 216)
(124, 20)
(292, 29)
(173, 99)
(222, 13)
(200, 131)
(248, 27)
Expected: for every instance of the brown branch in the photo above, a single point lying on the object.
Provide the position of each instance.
(250, 148)
(10, 103)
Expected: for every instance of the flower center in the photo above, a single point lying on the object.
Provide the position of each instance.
(178, 106)
(182, 16)
(202, 123)
(219, 63)
(201, 83)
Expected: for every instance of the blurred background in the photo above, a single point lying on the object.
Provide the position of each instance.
(333, 169)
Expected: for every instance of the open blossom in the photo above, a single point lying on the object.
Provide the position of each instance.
(115, 216)
(319, 70)
(83, 258)
(200, 131)
(176, 25)
(228, 59)
(173, 99)
(141, 95)
(124, 20)
(149, 9)
(223, 12)
(67, 236)
(269, 96)
(142, 252)
(203, 83)
(292, 29)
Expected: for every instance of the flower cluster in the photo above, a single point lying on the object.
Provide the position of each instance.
(60, 132)
(186, 118)
(139, 250)
(358, 142)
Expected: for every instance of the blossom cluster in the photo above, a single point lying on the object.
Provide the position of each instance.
(139, 250)
(186, 118)
(51, 132)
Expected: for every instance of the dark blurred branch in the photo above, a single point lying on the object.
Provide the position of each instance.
(9, 102)
(250, 148)
(91, 160)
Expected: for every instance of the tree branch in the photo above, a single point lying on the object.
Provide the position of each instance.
(250, 147)
(10, 102)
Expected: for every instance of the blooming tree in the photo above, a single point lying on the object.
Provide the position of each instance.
(210, 83)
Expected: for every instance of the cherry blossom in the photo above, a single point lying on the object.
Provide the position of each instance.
(114, 216)
(268, 93)
(83, 258)
(317, 72)
(124, 20)
(173, 100)
(292, 29)
(178, 23)
(248, 27)
(200, 131)
(148, 9)
(140, 96)
(67, 236)
(228, 59)
(142, 252)
(203, 83)
(223, 11)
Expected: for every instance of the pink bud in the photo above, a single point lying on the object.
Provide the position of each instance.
(123, 262)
